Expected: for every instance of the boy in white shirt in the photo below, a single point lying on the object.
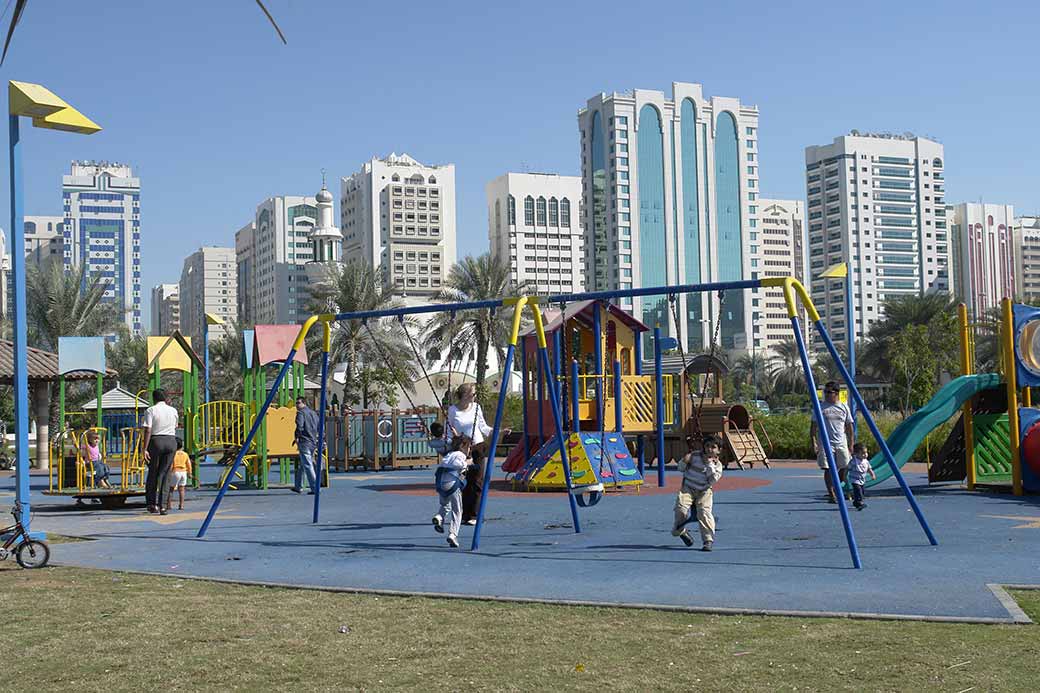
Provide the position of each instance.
(701, 470)
(859, 469)
(450, 479)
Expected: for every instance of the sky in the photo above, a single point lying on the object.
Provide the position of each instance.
(215, 113)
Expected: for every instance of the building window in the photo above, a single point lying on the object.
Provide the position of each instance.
(554, 212)
(529, 211)
(540, 212)
(511, 210)
(565, 213)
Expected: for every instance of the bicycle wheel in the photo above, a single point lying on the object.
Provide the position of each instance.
(33, 554)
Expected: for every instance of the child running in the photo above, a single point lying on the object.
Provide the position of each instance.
(179, 476)
(701, 470)
(859, 468)
(450, 479)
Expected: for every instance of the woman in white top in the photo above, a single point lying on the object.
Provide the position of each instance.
(466, 417)
(160, 445)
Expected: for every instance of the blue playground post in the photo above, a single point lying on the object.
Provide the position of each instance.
(286, 365)
(554, 403)
(882, 443)
(640, 439)
(541, 403)
(525, 383)
(659, 409)
(821, 429)
(618, 414)
(490, 468)
(575, 410)
(850, 332)
(21, 329)
(321, 425)
(597, 335)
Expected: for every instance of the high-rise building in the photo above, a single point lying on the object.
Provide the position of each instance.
(982, 246)
(244, 239)
(877, 202)
(1027, 257)
(670, 192)
(102, 230)
(208, 285)
(777, 249)
(534, 226)
(43, 240)
(166, 309)
(399, 215)
(271, 255)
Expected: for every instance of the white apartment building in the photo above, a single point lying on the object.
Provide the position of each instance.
(271, 255)
(983, 254)
(534, 226)
(101, 230)
(44, 242)
(208, 285)
(1027, 257)
(777, 249)
(165, 309)
(876, 201)
(670, 196)
(399, 215)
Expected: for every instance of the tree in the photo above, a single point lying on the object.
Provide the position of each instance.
(225, 364)
(754, 370)
(469, 334)
(786, 370)
(919, 355)
(379, 344)
(128, 356)
(900, 312)
(67, 304)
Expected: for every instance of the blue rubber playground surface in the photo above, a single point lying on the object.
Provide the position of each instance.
(780, 548)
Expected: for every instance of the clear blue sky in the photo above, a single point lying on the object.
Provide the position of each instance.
(215, 114)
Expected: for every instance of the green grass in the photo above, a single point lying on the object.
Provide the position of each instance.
(76, 629)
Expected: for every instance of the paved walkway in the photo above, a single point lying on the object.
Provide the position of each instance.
(779, 547)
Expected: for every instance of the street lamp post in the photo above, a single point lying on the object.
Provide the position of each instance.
(49, 111)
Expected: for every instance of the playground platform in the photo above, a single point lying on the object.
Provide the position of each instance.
(780, 547)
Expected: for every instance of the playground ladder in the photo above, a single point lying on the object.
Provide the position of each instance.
(745, 446)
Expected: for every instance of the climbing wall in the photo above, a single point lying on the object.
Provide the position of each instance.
(595, 458)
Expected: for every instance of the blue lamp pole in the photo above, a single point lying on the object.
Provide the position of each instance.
(47, 111)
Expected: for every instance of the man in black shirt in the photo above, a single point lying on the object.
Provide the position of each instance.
(306, 441)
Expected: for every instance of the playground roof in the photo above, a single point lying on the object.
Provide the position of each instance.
(115, 399)
(699, 363)
(43, 366)
(171, 361)
(582, 311)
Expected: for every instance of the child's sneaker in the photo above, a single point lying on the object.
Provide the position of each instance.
(686, 538)
(860, 506)
(452, 542)
(438, 524)
(707, 546)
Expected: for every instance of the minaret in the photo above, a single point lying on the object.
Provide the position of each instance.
(326, 239)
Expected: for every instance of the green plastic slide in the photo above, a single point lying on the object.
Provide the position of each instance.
(908, 435)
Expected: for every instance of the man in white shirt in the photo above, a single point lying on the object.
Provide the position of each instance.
(838, 429)
(160, 445)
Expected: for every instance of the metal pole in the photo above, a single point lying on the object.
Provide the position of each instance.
(1010, 377)
(21, 339)
(321, 429)
(205, 343)
(597, 335)
(260, 415)
(618, 414)
(659, 409)
(825, 441)
(967, 414)
(98, 412)
(526, 383)
(489, 470)
(558, 370)
(882, 443)
(637, 342)
(575, 406)
(850, 332)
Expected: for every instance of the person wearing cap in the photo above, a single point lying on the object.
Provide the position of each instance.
(837, 421)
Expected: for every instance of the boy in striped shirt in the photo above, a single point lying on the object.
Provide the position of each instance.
(701, 469)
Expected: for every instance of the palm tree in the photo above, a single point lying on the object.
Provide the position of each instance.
(469, 334)
(754, 369)
(68, 304)
(786, 370)
(382, 344)
(899, 312)
(128, 356)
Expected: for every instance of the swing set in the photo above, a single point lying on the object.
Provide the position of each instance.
(793, 292)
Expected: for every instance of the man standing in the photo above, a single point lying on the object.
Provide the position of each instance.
(838, 428)
(160, 445)
(306, 441)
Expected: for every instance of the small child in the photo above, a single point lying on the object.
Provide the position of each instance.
(93, 458)
(437, 440)
(859, 468)
(701, 469)
(179, 475)
(450, 479)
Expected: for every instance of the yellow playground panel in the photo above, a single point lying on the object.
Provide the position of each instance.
(221, 425)
(171, 357)
(281, 429)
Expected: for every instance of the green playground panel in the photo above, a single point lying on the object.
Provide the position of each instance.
(992, 454)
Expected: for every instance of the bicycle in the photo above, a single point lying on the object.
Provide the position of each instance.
(30, 553)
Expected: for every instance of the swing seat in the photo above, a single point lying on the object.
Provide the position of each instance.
(588, 496)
